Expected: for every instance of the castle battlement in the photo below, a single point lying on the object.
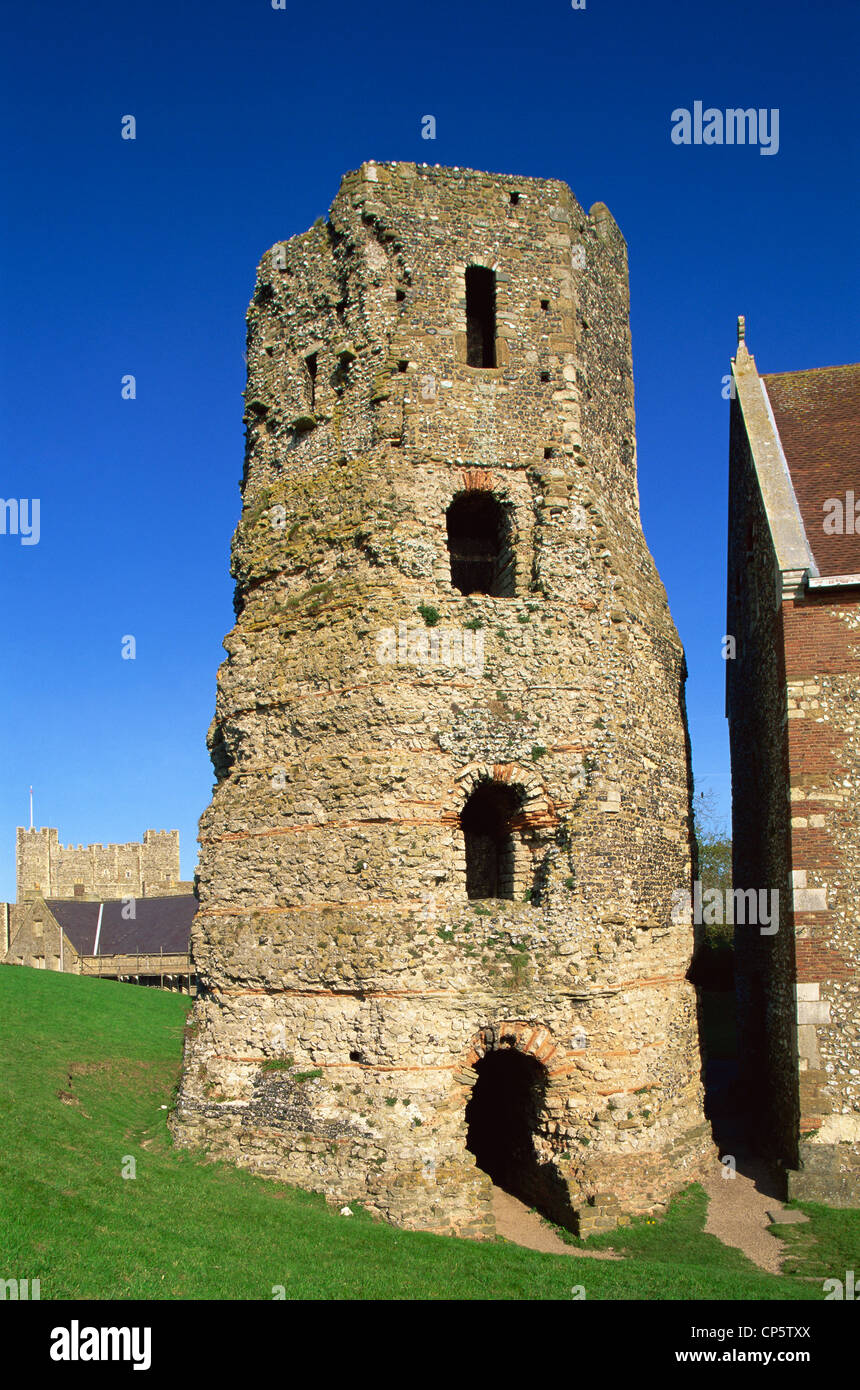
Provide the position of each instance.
(134, 869)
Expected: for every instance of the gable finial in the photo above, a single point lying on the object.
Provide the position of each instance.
(742, 329)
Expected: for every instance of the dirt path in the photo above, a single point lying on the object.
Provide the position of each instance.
(741, 1208)
(518, 1224)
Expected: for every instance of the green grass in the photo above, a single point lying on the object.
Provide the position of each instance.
(824, 1247)
(88, 1069)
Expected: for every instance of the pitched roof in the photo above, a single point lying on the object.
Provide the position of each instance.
(159, 924)
(817, 414)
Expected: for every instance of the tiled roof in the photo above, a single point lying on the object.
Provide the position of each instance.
(159, 924)
(817, 413)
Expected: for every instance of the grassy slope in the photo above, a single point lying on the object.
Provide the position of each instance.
(88, 1066)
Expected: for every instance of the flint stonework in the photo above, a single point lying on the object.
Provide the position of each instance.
(415, 867)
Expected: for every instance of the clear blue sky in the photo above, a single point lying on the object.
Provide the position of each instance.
(139, 257)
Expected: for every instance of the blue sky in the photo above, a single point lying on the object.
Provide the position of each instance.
(139, 257)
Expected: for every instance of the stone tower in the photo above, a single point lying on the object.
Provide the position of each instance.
(436, 938)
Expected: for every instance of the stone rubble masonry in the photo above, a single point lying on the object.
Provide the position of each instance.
(793, 698)
(349, 987)
(100, 872)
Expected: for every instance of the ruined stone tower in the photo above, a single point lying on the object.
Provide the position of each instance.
(436, 937)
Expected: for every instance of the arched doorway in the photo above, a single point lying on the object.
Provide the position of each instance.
(504, 1115)
(482, 561)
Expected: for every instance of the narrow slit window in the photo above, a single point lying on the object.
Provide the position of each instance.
(311, 364)
(480, 317)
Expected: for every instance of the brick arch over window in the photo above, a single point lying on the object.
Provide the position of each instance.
(538, 816)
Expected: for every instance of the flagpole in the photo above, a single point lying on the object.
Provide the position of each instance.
(31, 808)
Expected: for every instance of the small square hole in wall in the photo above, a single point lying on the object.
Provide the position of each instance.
(402, 366)
(356, 1056)
(515, 198)
(400, 295)
(544, 304)
(547, 453)
(544, 376)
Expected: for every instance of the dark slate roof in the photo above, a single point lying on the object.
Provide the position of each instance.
(817, 413)
(159, 924)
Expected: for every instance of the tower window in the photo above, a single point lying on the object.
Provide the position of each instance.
(486, 822)
(544, 304)
(515, 198)
(311, 364)
(482, 561)
(480, 317)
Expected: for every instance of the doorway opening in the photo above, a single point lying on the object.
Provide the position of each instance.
(503, 1116)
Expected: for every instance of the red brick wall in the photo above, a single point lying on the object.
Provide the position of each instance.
(822, 667)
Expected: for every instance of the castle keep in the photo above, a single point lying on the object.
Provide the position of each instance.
(435, 940)
(145, 869)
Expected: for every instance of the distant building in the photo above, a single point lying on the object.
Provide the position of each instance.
(143, 940)
(118, 911)
(793, 704)
(144, 869)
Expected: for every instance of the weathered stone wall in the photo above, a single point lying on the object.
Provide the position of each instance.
(349, 987)
(45, 866)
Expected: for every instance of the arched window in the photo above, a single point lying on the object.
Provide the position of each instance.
(486, 824)
(482, 561)
(480, 316)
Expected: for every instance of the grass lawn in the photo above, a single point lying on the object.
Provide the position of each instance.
(89, 1067)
